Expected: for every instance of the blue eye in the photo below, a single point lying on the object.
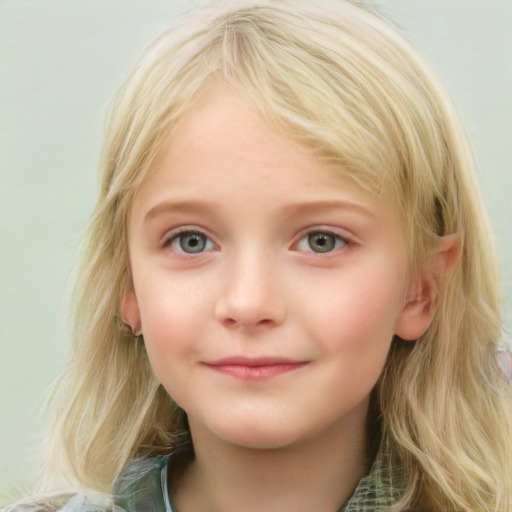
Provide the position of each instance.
(191, 242)
(320, 242)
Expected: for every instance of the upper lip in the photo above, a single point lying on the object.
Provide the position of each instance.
(252, 361)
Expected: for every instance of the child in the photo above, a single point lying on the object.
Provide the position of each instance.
(289, 298)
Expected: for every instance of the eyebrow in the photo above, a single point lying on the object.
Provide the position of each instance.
(325, 204)
(287, 211)
(185, 206)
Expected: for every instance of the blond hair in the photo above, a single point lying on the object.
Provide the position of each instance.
(342, 82)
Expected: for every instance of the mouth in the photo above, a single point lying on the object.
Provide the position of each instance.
(260, 368)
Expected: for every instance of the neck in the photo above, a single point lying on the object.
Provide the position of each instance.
(316, 474)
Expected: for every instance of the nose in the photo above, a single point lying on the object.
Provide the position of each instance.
(251, 295)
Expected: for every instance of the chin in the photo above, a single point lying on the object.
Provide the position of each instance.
(262, 437)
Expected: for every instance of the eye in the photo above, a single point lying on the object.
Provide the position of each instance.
(191, 242)
(320, 242)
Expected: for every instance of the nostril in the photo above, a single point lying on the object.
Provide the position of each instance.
(250, 305)
(230, 322)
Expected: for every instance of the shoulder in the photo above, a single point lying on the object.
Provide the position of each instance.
(85, 503)
(141, 487)
(82, 501)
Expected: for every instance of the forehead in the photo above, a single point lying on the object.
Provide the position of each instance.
(224, 145)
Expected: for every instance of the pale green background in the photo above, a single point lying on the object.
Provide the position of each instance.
(60, 61)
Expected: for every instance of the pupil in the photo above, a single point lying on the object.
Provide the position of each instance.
(193, 243)
(321, 242)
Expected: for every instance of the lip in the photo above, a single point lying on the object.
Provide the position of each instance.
(255, 368)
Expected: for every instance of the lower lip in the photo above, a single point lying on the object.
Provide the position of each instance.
(262, 372)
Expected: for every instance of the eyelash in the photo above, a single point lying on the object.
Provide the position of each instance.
(331, 240)
(174, 239)
(327, 235)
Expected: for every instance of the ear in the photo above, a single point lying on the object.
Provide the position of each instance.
(420, 305)
(130, 312)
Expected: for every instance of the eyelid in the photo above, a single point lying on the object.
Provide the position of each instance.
(173, 233)
(339, 233)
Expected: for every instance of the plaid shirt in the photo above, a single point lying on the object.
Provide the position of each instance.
(380, 489)
(142, 487)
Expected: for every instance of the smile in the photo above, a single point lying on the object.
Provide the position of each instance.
(245, 368)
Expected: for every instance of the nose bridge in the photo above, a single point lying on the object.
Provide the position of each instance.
(251, 294)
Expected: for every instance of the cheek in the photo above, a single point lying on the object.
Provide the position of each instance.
(169, 303)
(358, 303)
(354, 320)
(171, 316)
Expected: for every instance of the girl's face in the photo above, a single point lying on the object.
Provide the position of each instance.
(268, 287)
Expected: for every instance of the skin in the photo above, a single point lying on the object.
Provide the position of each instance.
(268, 288)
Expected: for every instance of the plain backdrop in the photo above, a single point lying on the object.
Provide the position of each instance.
(60, 62)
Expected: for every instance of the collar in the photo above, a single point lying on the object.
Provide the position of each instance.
(143, 486)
